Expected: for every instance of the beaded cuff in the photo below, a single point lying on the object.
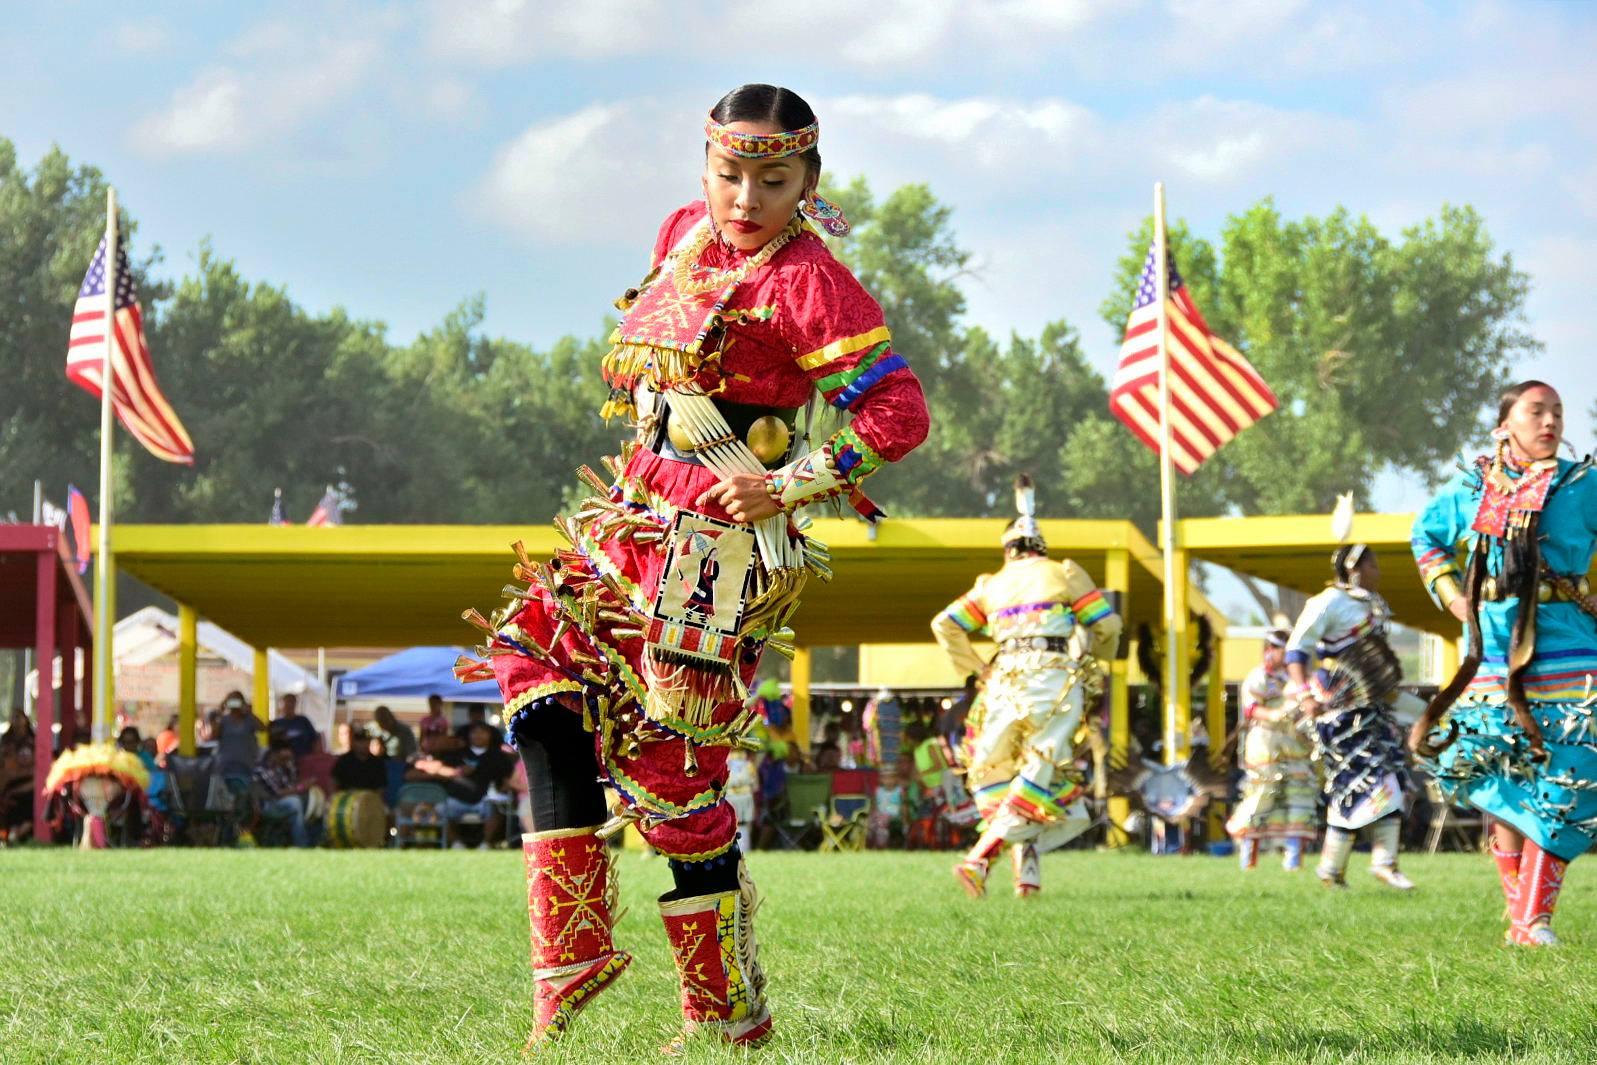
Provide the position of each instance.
(835, 468)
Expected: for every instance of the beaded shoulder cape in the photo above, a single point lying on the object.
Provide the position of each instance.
(674, 318)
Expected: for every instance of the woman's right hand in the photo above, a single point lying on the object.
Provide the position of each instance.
(1459, 608)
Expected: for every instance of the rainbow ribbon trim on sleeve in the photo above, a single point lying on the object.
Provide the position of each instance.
(966, 613)
(1091, 608)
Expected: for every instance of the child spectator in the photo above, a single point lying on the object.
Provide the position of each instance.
(434, 725)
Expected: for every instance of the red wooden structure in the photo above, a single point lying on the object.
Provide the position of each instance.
(44, 605)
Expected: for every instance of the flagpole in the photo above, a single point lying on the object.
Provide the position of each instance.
(1174, 744)
(104, 572)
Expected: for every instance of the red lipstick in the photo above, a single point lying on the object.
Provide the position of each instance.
(743, 225)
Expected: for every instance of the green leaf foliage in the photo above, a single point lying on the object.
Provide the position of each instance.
(1383, 351)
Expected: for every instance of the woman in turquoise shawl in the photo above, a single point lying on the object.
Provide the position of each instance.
(1522, 741)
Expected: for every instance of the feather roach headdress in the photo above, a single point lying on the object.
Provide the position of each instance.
(1024, 532)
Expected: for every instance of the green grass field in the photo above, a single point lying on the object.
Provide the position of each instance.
(276, 956)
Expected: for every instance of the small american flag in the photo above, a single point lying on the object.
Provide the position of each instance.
(135, 396)
(1214, 392)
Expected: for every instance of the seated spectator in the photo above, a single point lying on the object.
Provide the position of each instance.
(399, 740)
(294, 727)
(316, 769)
(467, 775)
(362, 766)
(742, 782)
(434, 725)
(477, 714)
(149, 824)
(828, 757)
(206, 729)
(523, 798)
(886, 824)
(282, 792)
(167, 740)
(237, 749)
(16, 778)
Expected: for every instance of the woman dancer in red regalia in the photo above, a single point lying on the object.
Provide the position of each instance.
(617, 666)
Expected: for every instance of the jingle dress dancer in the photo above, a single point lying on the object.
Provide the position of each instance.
(1348, 698)
(626, 658)
(1278, 789)
(1521, 745)
(1051, 624)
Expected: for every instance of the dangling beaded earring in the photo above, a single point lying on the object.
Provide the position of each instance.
(828, 214)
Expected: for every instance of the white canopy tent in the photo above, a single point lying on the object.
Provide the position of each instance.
(151, 634)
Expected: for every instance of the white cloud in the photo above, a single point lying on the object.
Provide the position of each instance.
(985, 154)
(1206, 26)
(887, 34)
(498, 33)
(208, 114)
(1229, 142)
(1030, 139)
(148, 36)
(282, 80)
(563, 181)
(449, 100)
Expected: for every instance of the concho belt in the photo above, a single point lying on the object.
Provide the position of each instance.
(1548, 590)
(768, 432)
(1017, 644)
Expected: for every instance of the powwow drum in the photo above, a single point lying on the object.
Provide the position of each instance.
(356, 819)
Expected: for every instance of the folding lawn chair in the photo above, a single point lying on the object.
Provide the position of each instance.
(843, 829)
(419, 816)
(808, 796)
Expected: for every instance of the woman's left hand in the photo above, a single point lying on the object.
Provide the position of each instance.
(745, 497)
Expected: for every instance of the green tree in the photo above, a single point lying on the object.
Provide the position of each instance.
(50, 221)
(904, 253)
(273, 396)
(1383, 353)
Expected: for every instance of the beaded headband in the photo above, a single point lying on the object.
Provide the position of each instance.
(762, 145)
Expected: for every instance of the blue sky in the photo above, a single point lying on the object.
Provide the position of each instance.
(395, 158)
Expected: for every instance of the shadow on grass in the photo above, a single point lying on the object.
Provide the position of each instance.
(1464, 1037)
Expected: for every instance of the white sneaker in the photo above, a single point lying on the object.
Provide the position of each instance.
(457, 846)
(1392, 877)
(483, 845)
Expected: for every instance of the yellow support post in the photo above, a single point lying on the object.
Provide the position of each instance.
(1178, 745)
(1117, 579)
(1214, 721)
(107, 675)
(188, 643)
(802, 662)
(263, 686)
(1450, 656)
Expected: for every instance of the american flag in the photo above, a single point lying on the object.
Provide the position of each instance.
(78, 516)
(1214, 392)
(135, 396)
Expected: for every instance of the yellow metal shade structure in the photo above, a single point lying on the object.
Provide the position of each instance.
(398, 585)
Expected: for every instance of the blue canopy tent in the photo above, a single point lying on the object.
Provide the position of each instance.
(418, 671)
